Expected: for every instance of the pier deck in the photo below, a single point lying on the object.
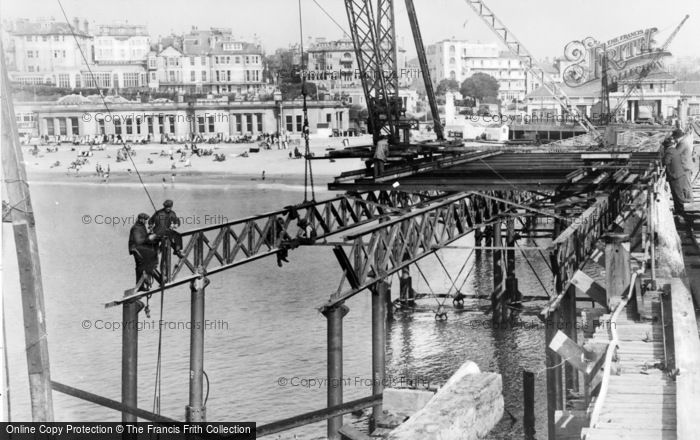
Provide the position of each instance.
(641, 397)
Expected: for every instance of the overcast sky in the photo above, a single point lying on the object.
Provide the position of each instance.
(544, 26)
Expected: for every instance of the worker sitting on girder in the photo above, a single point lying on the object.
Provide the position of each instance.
(676, 176)
(163, 222)
(381, 151)
(143, 246)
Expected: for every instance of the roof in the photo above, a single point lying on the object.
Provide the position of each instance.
(122, 30)
(47, 28)
(689, 87)
(73, 100)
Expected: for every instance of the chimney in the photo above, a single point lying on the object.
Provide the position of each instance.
(86, 25)
(76, 24)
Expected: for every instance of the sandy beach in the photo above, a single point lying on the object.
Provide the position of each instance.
(54, 166)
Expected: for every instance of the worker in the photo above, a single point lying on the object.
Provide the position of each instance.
(684, 145)
(306, 233)
(164, 221)
(277, 237)
(381, 151)
(676, 176)
(143, 246)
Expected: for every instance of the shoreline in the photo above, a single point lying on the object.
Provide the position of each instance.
(154, 165)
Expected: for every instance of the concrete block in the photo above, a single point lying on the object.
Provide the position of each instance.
(467, 407)
(405, 402)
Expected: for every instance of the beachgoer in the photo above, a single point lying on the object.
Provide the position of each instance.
(164, 221)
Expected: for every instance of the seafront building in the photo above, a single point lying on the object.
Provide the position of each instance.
(79, 116)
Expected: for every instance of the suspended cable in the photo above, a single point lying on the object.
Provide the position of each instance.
(157, 388)
(534, 271)
(104, 102)
(332, 19)
(308, 173)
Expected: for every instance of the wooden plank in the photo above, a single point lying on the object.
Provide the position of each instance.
(687, 357)
(590, 287)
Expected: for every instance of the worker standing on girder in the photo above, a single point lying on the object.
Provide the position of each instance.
(381, 151)
(142, 246)
(676, 176)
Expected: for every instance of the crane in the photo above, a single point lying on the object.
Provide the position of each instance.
(533, 68)
(647, 68)
(374, 41)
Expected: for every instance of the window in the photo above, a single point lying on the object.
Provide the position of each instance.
(77, 80)
(131, 79)
(239, 124)
(203, 60)
(138, 125)
(172, 123)
(149, 120)
(30, 54)
(129, 126)
(117, 126)
(200, 124)
(247, 59)
(228, 75)
(192, 76)
(290, 123)
(191, 61)
(249, 125)
(62, 126)
(63, 80)
(172, 76)
(237, 60)
(211, 124)
(299, 123)
(453, 60)
(161, 124)
(153, 76)
(204, 75)
(75, 128)
(101, 125)
(328, 117)
(260, 122)
(217, 76)
(49, 126)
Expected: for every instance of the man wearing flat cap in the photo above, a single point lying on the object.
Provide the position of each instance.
(163, 223)
(142, 246)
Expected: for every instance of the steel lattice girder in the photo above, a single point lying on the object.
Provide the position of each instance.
(569, 251)
(217, 248)
(392, 245)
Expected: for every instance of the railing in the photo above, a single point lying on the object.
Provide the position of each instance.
(610, 352)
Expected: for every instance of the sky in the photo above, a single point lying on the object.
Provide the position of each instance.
(543, 26)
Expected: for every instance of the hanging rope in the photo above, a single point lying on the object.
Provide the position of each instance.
(157, 387)
(308, 172)
(104, 102)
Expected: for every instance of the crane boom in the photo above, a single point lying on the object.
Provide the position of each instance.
(425, 70)
(528, 61)
(649, 66)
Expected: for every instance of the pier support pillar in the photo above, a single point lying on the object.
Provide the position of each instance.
(334, 316)
(512, 292)
(617, 267)
(499, 289)
(407, 296)
(130, 351)
(379, 318)
(196, 411)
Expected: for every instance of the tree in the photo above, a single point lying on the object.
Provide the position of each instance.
(480, 86)
(447, 85)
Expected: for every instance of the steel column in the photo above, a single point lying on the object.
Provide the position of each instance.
(379, 294)
(334, 316)
(130, 351)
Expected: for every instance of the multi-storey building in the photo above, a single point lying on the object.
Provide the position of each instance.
(210, 61)
(458, 60)
(47, 52)
(334, 63)
(121, 43)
